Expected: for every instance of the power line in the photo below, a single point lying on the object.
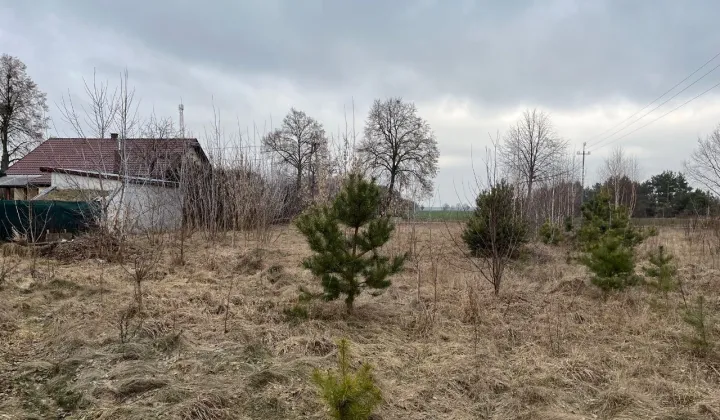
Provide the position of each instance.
(654, 109)
(658, 98)
(663, 115)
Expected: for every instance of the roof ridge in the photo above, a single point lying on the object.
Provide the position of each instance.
(127, 138)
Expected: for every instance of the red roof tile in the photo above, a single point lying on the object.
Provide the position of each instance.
(143, 157)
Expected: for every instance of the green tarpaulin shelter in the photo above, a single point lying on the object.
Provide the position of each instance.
(35, 218)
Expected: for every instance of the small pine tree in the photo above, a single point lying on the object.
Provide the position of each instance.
(601, 218)
(495, 228)
(348, 395)
(662, 270)
(698, 318)
(609, 241)
(550, 233)
(612, 264)
(349, 263)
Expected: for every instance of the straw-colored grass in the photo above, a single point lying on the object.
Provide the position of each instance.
(550, 346)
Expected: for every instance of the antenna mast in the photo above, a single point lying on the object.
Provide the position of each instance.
(181, 110)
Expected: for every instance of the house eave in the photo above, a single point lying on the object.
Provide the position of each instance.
(113, 177)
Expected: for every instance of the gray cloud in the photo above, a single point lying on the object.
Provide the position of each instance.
(562, 53)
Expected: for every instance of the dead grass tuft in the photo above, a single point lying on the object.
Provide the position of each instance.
(133, 351)
(260, 380)
(207, 407)
(169, 342)
(14, 249)
(251, 262)
(134, 386)
(276, 275)
(92, 245)
(612, 402)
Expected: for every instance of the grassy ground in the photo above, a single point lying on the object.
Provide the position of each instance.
(549, 347)
(441, 215)
(456, 215)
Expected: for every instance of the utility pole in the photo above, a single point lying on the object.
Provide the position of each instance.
(582, 181)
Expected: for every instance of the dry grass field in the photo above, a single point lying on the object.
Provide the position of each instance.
(550, 346)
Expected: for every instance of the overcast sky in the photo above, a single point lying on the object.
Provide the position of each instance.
(470, 66)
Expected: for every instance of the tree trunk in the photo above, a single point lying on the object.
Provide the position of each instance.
(391, 189)
(617, 192)
(526, 207)
(5, 156)
(497, 271)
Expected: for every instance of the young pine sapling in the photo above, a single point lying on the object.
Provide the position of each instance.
(612, 264)
(662, 271)
(345, 239)
(495, 232)
(348, 395)
(701, 321)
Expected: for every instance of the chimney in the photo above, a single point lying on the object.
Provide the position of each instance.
(114, 136)
(118, 151)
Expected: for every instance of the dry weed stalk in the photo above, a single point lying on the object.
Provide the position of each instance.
(30, 233)
(8, 265)
(556, 331)
(472, 312)
(143, 267)
(238, 190)
(231, 284)
(125, 330)
(141, 271)
(421, 255)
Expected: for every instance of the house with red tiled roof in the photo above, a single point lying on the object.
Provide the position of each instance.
(127, 173)
(134, 157)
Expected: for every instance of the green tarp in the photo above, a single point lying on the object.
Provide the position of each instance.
(35, 218)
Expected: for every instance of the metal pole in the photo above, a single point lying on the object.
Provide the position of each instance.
(582, 181)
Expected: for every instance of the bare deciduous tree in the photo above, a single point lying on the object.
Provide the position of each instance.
(98, 113)
(343, 159)
(621, 172)
(556, 198)
(296, 142)
(532, 150)
(22, 111)
(399, 146)
(100, 110)
(704, 164)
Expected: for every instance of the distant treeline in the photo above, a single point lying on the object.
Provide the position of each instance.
(665, 195)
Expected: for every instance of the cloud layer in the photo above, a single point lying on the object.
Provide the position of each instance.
(471, 66)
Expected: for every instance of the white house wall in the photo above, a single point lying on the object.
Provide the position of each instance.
(151, 207)
(133, 208)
